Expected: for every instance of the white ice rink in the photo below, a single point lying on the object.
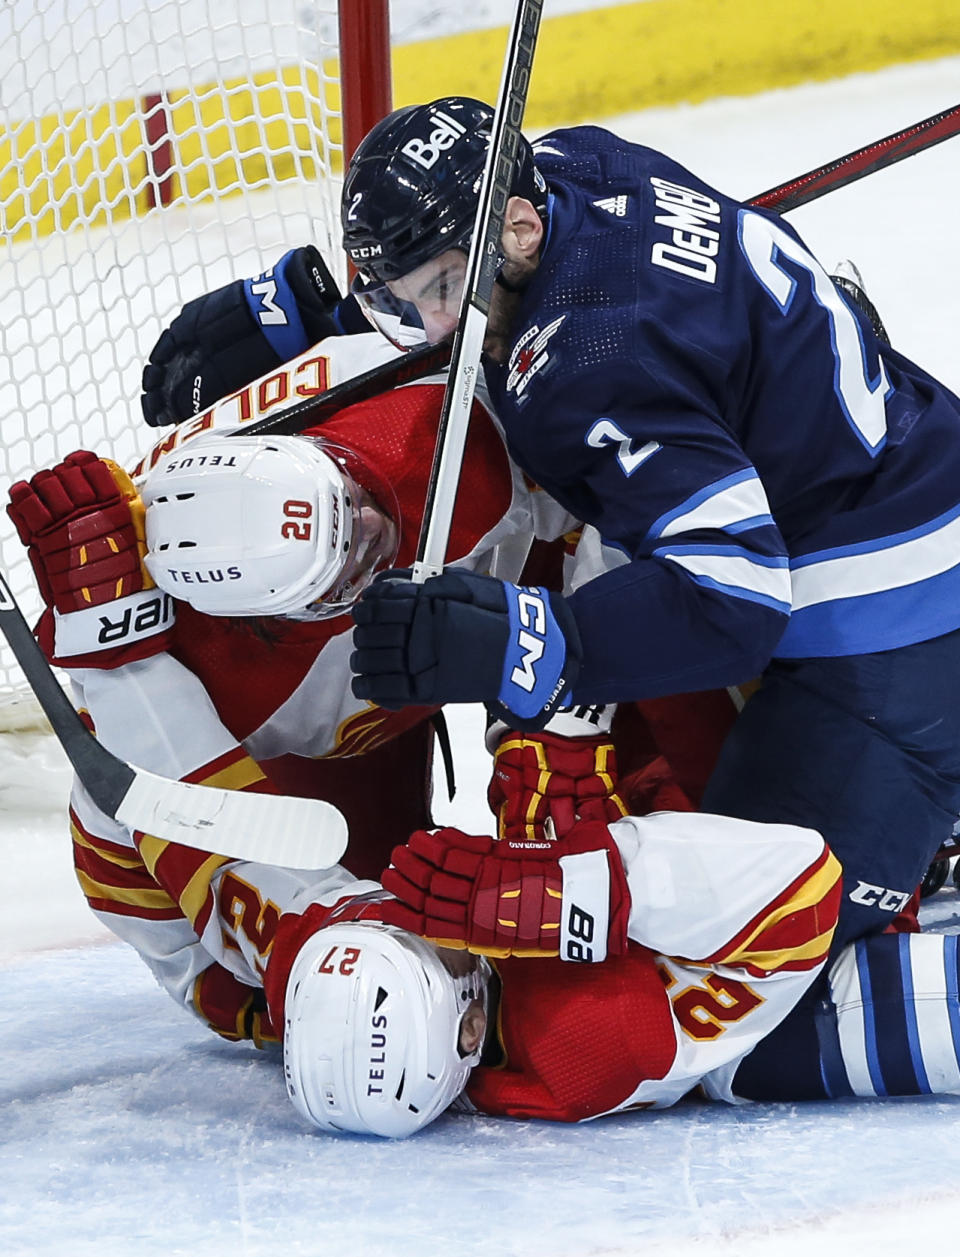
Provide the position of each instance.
(126, 1129)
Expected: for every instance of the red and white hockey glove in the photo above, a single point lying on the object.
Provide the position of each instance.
(487, 896)
(83, 525)
(564, 774)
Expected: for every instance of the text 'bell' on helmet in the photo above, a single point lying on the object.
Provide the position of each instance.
(265, 526)
(413, 184)
(371, 1040)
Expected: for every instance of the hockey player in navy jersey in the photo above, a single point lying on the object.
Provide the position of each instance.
(778, 491)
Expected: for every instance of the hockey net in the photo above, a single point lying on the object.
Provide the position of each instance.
(151, 150)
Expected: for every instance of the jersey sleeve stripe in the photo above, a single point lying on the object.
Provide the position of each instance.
(729, 505)
(186, 873)
(133, 896)
(734, 571)
(795, 930)
(112, 852)
(233, 771)
(196, 894)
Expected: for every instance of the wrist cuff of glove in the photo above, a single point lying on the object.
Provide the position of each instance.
(274, 308)
(124, 622)
(572, 722)
(596, 899)
(308, 296)
(541, 660)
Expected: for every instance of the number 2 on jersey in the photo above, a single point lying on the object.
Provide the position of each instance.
(766, 247)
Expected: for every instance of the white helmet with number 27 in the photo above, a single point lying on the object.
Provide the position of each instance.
(371, 1040)
(265, 526)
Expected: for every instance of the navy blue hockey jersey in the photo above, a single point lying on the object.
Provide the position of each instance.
(685, 376)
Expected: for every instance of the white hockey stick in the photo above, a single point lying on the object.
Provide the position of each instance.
(477, 289)
(267, 829)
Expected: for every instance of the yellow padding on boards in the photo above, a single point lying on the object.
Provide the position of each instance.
(626, 57)
(89, 166)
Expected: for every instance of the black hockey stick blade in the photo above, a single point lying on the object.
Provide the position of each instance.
(405, 369)
(263, 828)
(863, 161)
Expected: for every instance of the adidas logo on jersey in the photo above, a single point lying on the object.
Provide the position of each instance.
(616, 205)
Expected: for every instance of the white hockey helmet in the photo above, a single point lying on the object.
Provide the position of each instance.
(266, 526)
(371, 1039)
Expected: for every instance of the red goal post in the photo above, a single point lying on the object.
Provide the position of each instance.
(151, 150)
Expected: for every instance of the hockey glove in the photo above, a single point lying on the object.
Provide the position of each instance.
(83, 525)
(543, 783)
(220, 342)
(464, 638)
(497, 900)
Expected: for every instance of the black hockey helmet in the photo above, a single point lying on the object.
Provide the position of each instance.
(412, 185)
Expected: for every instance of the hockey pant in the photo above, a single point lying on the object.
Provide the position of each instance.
(865, 749)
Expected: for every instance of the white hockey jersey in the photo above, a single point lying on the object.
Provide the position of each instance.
(269, 707)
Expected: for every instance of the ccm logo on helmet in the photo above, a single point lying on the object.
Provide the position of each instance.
(531, 639)
(426, 153)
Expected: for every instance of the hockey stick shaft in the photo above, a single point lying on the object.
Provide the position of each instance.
(267, 829)
(863, 161)
(408, 367)
(478, 283)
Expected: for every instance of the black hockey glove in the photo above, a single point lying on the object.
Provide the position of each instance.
(227, 338)
(463, 638)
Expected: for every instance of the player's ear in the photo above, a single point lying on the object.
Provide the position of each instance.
(522, 230)
(472, 1028)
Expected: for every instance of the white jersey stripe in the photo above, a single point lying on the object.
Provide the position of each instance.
(729, 505)
(905, 561)
(735, 573)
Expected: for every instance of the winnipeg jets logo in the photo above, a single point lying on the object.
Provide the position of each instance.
(529, 356)
(616, 205)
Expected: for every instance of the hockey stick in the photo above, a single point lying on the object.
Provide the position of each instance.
(414, 365)
(267, 829)
(477, 289)
(864, 161)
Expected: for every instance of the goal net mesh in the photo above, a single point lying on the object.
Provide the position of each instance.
(150, 150)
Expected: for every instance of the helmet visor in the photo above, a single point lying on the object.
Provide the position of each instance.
(426, 301)
(395, 318)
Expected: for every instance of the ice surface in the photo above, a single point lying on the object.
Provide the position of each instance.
(126, 1129)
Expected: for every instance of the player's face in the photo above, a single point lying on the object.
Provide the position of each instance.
(374, 543)
(373, 547)
(473, 1024)
(435, 290)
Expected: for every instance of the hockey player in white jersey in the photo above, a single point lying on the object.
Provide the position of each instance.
(618, 969)
(200, 610)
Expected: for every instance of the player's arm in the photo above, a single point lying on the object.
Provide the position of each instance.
(699, 600)
(715, 890)
(82, 523)
(109, 626)
(225, 339)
